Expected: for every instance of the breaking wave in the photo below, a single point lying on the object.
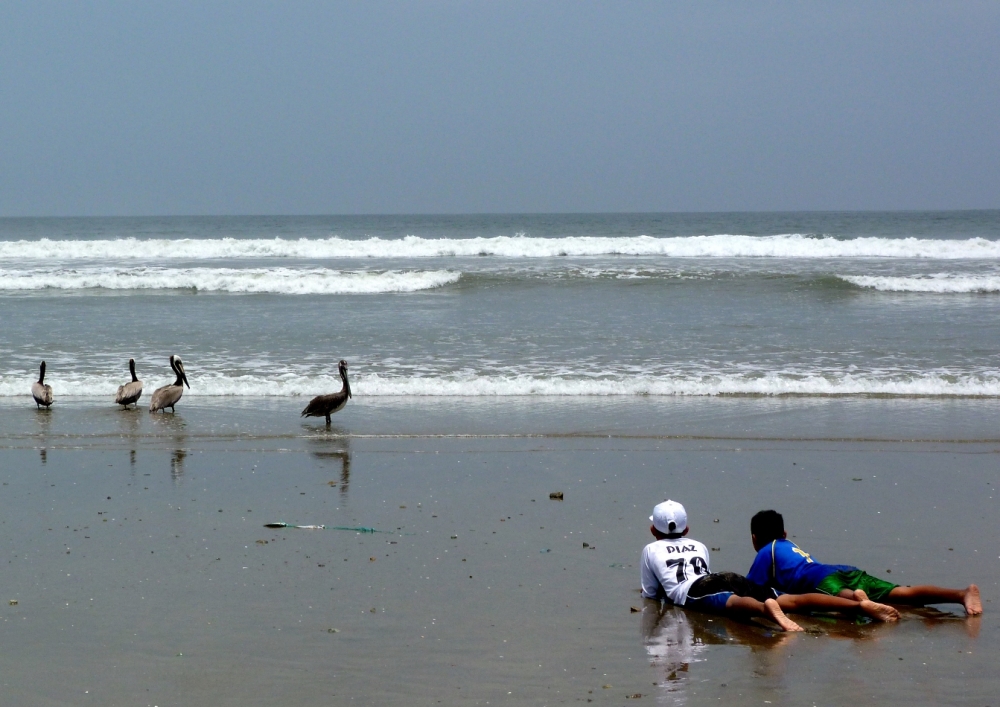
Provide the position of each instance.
(287, 281)
(520, 246)
(771, 384)
(943, 283)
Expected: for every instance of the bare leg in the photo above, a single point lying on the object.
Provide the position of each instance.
(769, 609)
(823, 602)
(928, 594)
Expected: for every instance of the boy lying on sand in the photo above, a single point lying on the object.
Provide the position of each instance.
(780, 564)
(676, 567)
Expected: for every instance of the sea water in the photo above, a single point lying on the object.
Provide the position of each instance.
(744, 304)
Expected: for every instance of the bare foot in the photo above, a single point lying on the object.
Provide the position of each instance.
(859, 595)
(972, 601)
(775, 613)
(879, 612)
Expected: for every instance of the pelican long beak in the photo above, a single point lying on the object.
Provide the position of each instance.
(180, 369)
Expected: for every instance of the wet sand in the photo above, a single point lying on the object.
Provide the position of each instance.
(142, 573)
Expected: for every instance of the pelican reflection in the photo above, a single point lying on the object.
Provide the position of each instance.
(129, 428)
(334, 449)
(171, 431)
(43, 422)
(177, 463)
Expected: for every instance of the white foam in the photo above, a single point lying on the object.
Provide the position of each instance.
(715, 246)
(287, 281)
(944, 283)
(936, 384)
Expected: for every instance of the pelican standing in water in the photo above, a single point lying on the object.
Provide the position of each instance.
(40, 390)
(168, 395)
(130, 392)
(326, 405)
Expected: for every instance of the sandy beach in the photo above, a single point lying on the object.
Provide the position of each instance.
(140, 570)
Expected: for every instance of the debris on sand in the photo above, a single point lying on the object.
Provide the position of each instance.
(556, 495)
(358, 529)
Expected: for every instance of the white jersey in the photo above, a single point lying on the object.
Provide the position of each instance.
(670, 567)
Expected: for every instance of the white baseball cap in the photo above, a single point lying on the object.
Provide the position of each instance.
(670, 518)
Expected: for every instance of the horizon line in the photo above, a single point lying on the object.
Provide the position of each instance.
(431, 214)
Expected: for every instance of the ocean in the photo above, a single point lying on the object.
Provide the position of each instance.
(737, 304)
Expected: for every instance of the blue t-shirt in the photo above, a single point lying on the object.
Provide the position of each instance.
(783, 566)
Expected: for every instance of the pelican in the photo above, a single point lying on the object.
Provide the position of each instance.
(40, 391)
(326, 405)
(168, 395)
(130, 392)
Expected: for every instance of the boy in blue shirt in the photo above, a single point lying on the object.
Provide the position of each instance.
(780, 564)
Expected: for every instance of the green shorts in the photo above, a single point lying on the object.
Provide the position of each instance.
(876, 589)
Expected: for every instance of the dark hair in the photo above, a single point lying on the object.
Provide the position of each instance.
(767, 526)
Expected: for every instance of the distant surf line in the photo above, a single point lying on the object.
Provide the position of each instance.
(519, 246)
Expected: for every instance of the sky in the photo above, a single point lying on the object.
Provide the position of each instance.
(300, 107)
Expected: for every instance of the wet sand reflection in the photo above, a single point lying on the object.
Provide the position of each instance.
(43, 423)
(677, 638)
(173, 429)
(128, 423)
(333, 447)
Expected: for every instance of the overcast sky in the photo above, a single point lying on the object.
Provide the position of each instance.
(133, 108)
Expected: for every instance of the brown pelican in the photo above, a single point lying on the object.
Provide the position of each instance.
(168, 395)
(326, 405)
(40, 391)
(130, 392)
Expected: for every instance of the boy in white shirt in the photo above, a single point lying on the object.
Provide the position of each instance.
(676, 567)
